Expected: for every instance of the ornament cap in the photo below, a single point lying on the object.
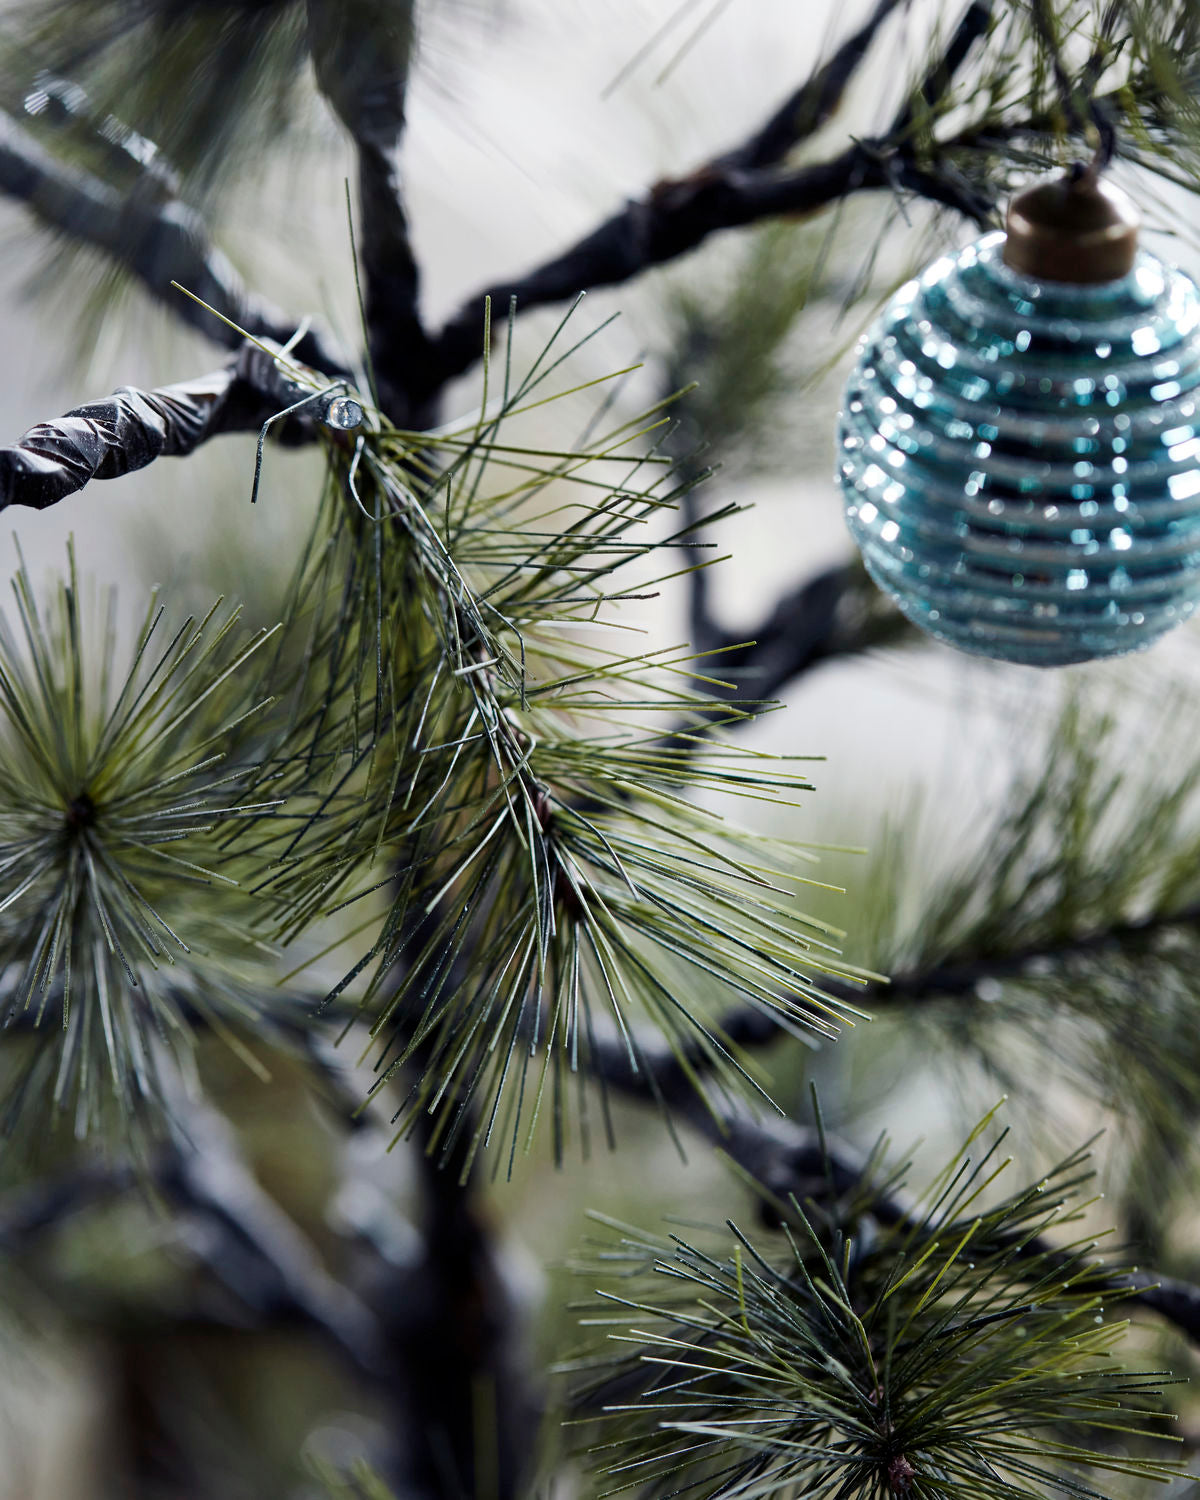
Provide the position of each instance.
(1077, 228)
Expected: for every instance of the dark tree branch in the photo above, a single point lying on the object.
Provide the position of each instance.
(29, 1211)
(934, 87)
(254, 1250)
(746, 1027)
(361, 51)
(159, 240)
(789, 1160)
(835, 614)
(735, 188)
(124, 152)
(676, 216)
(954, 980)
(252, 1246)
(812, 105)
(810, 625)
(472, 1411)
(781, 1155)
(129, 430)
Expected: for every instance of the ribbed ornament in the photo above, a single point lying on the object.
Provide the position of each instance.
(1021, 458)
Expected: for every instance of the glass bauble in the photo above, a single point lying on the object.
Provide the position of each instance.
(1021, 458)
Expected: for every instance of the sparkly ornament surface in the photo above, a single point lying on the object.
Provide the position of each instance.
(1021, 458)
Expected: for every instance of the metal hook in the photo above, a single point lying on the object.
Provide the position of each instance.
(339, 411)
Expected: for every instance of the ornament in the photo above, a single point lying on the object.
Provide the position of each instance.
(1020, 439)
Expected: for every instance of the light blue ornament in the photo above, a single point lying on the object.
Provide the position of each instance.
(1021, 457)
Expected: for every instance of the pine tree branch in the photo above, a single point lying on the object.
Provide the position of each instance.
(812, 105)
(158, 239)
(257, 1251)
(961, 979)
(361, 51)
(129, 430)
(791, 1160)
(746, 1027)
(734, 189)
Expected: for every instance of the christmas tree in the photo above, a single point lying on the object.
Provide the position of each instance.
(391, 888)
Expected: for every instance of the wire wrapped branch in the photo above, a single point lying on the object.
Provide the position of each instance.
(130, 429)
(159, 239)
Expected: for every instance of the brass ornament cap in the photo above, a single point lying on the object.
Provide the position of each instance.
(1072, 229)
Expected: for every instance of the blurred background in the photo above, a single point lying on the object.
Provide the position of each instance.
(530, 120)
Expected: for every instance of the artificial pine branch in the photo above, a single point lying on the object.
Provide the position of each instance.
(112, 787)
(1070, 927)
(438, 714)
(788, 1161)
(948, 1353)
(106, 439)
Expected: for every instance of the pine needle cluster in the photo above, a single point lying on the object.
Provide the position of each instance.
(546, 813)
(122, 921)
(1050, 77)
(945, 1352)
(1066, 938)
